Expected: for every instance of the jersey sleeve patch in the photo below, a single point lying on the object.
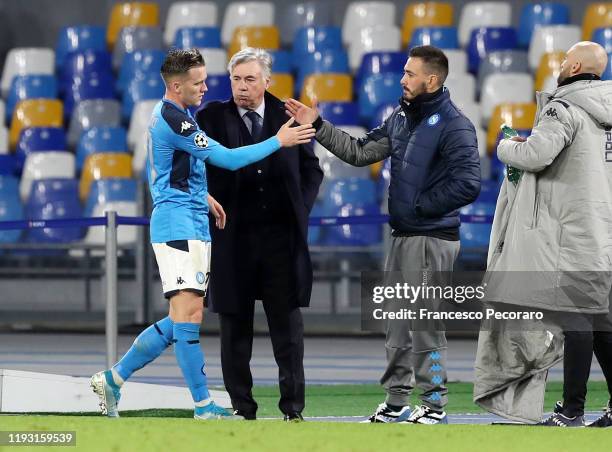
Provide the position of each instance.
(200, 140)
(179, 122)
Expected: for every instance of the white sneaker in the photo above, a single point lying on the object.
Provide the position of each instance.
(107, 391)
(384, 414)
(425, 415)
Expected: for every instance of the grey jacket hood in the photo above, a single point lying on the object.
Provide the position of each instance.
(593, 96)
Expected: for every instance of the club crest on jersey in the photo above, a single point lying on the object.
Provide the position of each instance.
(186, 125)
(200, 140)
(433, 119)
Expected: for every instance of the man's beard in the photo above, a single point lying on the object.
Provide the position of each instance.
(416, 93)
(563, 75)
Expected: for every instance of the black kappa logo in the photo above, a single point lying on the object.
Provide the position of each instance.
(552, 113)
(180, 281)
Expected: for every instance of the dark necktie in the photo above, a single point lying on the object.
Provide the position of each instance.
(255, 125)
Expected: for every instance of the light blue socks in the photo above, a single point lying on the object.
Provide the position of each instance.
(190, 359)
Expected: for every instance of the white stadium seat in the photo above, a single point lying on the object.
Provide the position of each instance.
(24, 61)
(360, 15)
(189, 14)
(239, 14)
(550, 39)
(502, 88)
(45, 165)
(374, 39)
(139, 121)
(216, 60)
(483, 14)
(462, 87)
(457, 60)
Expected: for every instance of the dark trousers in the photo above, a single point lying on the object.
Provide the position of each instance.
(268, 269)
(577, 358)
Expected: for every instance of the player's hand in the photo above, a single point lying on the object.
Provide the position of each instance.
(217, 210)
(291, 136)
(519, 139)
(302, 113)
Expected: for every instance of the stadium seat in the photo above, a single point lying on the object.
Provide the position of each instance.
(216, 61)
(189, 14)
(126, 235)
(133, 14)
(85, 64)
(597, 15)
(373, 39)
(315, 39)
(281, 61)
(190, 37)
(603, 36)
(7, 164)
(281, 85)
(315, 233)
(25, 61)
(502, 61)
(238, 14)
(11, 209)
(58, 210)
(9, 185)
(39, 139)
(45, 165)
(426, 15)
(352, 190)
(326, 88)
(150, 86)
(93, 113)
(2, 110)
(550, 66)
(457, 60)
(334, 168)
(140, 64)
(45, 191)
(441, 37)
(4, 140)
(534, 15)
(139, 159)
(34, 113)
(475, 235)
(258, 36)
(100, 139)
(481, 137)
(607, 75)
(327, 61)
(488, 39)
(516, 115)
(552, 38)
(78, 38)
(353, 235)
(300, 15)
(94, 86)
(376, 90)
(360, 15)
(482, 14)
(104, 165)
(340, 113)
(462, 87)
(380, 63)
(133, 39)
(219, 88)
(382, 113)
(30, 87)
(469, 108)
(108, 190)
(501, 88)
(139, 122)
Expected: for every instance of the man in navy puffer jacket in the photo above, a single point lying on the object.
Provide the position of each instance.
(435, 170)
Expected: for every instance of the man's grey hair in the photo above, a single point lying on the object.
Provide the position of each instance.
(249, 54)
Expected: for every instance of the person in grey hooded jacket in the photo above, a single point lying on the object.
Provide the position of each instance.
(556, 229)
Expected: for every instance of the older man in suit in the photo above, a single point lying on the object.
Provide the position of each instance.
(262, 254)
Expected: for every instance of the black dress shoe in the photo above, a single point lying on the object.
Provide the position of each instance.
(244, 414)
(293, 417)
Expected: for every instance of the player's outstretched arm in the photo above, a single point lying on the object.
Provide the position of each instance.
(233, 159)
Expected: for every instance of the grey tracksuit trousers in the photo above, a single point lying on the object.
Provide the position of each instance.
(417, 352)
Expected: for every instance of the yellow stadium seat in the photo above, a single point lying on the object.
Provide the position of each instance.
(550, 65)
(517, 116)
(327, 88)
(264, 37)
(281, 85)
(375, 169)
(35, 113)
(136, 14)
(104, 165)
(597, 15)
(425, 14)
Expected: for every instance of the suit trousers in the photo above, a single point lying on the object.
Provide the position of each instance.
(268, 274)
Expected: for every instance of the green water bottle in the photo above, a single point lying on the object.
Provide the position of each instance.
(513, 174)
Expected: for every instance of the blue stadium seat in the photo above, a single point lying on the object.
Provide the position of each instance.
(441, 37)
(10, 210)
(200, 37)
(76, 39)
(281, 61)
(380, 63)
(488, 39)
(107, 190)
(535, 14)
(134, 38)
(9, 185)
(340, 113)
(603, 36)
(219, 88)
(352, 235)
(315, 233)
(315, 39)
(45, 191)
(139, 64)
(381, 113)
(8, 164)
(151, 87)
(68, 207)
(475, 235)
(384, 178)
(377, 90)
(327, 61)
(84, 64)
(35, 139)
(607, 75)
(351, 191)
(92, 86)
(30, 87)
(100, 139)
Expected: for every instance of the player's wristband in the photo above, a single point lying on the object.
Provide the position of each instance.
(317, 123)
